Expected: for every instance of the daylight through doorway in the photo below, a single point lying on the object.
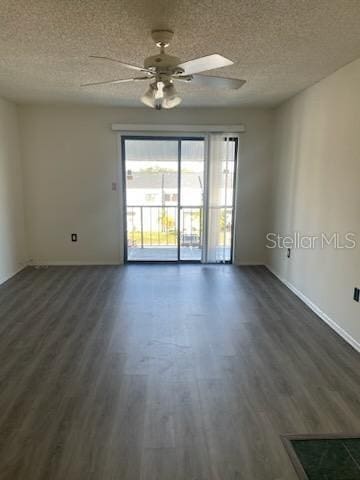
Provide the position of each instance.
(168, 217)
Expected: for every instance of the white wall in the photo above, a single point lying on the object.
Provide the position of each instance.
(71, 159)
(12, 237)
(316, 189)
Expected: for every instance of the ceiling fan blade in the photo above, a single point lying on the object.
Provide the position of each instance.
(217, 82)
(126, 65)
(205, 63)
(114, 82)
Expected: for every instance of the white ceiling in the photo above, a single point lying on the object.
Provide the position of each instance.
(279, 46)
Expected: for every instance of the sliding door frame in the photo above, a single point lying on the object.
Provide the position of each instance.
(179, 139)
(233, 208)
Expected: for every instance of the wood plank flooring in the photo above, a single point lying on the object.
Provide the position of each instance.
(161, 372)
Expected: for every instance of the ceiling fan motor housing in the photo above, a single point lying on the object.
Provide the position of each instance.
(163, 62)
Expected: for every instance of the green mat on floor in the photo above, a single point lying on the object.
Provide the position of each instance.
(331, 457)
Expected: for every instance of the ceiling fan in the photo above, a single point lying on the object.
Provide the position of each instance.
(163, 69)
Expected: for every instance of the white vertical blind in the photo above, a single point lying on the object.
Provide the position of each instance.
(221, 166)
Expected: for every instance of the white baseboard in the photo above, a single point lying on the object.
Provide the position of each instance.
(249, 264)
(339, 330)
(7, 277)
(71, 263)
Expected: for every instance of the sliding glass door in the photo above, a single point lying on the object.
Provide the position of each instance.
(191, 206)
(175, 208)
(164, 198)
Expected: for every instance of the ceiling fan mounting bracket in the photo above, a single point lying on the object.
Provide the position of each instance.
(162, 38)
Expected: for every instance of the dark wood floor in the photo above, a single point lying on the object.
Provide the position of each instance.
(164, 372)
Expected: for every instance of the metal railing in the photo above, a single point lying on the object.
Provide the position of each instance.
(157, 226)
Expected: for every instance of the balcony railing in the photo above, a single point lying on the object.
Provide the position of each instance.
(157, 226)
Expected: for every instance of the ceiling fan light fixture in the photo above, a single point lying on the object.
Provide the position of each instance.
(171, 98)
(161, 95)
(159, 90)
(149, 97)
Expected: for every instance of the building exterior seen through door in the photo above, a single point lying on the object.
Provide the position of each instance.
(166, 200)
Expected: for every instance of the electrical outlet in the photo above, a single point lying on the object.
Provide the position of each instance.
(357, 294)
(74, 237)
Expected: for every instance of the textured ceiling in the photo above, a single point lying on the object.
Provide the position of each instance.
(279, 46)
